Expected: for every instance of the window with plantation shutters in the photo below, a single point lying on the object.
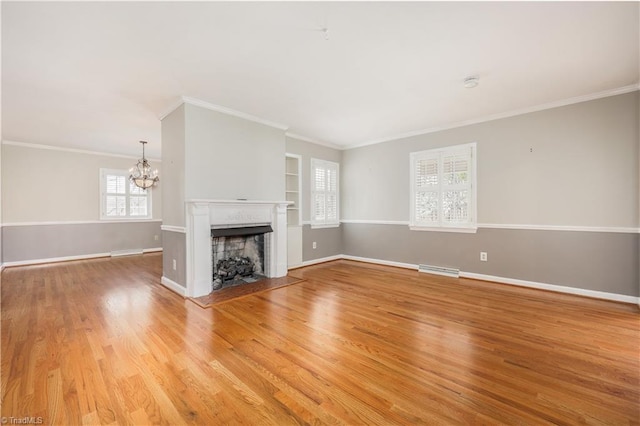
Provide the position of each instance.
(120, 198)
(324, 193)
(443, 189)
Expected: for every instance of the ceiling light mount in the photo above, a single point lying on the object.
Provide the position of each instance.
(471, 82)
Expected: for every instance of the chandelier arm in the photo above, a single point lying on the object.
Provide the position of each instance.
(141, 175)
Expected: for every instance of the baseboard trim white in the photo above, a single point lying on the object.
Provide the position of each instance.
(319, 260)
(492, 278)
(171, 228)
(127, 252)
(173, 286)
(55, 259)
(381, 262)
(70, 258)
(553, 287)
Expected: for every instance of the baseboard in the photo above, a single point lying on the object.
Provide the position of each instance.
(501, 280)
(292, 267)
(127, 252)
(171, 228)
(553, 287)
(70, 258)
(381, 262)
(173, 286)
(55, 259)
(319, 260)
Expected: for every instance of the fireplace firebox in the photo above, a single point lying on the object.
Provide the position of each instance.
(238, 255)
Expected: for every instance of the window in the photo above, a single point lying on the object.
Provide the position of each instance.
(120, 198)
(324, 193)
(443, 189)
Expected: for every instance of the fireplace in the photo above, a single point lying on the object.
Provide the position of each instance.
(238, 255)
(204, 218)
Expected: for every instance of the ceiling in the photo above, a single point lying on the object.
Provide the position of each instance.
(99, 75)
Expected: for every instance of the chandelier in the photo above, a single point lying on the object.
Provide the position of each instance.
(141, 174)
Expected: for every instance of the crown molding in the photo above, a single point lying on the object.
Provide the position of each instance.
(74, 150)
(213, 107)
(172, 107)
(313, 141)
(218, 108)
(229, 111)
(492, 117)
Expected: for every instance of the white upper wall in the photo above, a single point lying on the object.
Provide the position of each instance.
(228, 157)
(575, 165)
(47, 185)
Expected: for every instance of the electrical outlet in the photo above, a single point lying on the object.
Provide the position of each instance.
(315, 246)
(483, 256)
(155, 237)
(174, 264)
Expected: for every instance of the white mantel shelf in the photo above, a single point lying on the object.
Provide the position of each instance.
(202, 215)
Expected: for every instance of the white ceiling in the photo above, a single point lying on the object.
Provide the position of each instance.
(98, 76)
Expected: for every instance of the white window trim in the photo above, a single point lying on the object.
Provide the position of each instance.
(103, 190)
(472, 227)
(315, 224)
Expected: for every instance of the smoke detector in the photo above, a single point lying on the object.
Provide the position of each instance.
(471, 82)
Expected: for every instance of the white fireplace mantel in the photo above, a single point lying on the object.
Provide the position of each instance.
(202, 215)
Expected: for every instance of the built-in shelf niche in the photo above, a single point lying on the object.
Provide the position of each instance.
(293, 187)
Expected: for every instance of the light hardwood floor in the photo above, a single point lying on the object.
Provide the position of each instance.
(102, 342)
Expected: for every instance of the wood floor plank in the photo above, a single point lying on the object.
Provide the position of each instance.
(102, 342)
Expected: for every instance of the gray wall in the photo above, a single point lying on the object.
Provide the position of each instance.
(173, 247)
(570, 166)
(328, 240)
(574, 165)
(228, 157)
(59, 216)
(212, 155)
(25, 243)
(597, 261)
(173, 186)
(1, 256)
(70, 190)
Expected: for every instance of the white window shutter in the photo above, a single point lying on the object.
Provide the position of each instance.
(456, 187)
(120, 198)
(426, 172)
(324, 193)
(443, 187)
